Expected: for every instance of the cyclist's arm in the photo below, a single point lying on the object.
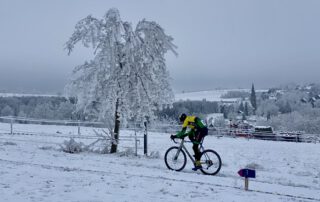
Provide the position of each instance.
(190, 133)
(182, 133)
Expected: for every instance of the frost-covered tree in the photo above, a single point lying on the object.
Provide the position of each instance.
(290, 101)
(241, 108)
(127, 78)
(268, 108)
(7, 111)
(44, 110)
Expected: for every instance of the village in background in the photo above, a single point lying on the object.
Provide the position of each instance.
(287, 113)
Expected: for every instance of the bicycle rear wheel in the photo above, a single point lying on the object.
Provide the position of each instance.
(210, 161)
(175, 159)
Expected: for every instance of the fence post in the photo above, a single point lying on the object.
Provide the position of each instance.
(145, 139)
(79, 132)
(11, 126)
(136, 142)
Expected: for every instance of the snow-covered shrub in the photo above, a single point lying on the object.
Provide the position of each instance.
(154, 155)
(128, 152)
(71, 146)
(10, 143)
(46, 148)
(105, 150)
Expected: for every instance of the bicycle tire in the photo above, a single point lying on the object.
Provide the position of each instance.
(170, 162)
(210, 159)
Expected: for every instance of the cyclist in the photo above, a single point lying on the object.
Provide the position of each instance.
(198, 131)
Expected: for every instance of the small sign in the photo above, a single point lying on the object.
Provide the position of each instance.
(247, 173)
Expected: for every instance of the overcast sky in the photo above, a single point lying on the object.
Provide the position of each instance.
(221, 44)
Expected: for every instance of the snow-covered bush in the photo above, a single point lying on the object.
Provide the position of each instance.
(128, 152)
(154, 155)
(46, 148)
(10, 143)
(71, 146)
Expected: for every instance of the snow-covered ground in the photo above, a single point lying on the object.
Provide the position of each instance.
(214, 95)
(26, 95)
(211, 95)
(34, 169)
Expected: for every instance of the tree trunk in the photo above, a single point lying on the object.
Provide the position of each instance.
(116, 129)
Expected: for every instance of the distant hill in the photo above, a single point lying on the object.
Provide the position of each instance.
(212, 95)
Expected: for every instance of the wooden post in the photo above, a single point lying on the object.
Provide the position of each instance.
(246, 184)
(136, 142)
(11, 126)
(247, 173)
(79, 127)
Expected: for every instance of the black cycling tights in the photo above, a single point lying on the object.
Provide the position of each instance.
(197, 153)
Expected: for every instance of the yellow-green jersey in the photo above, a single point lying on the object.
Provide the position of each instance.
(194, 123)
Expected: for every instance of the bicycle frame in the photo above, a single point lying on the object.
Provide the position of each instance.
(209, 159)
(186, 150)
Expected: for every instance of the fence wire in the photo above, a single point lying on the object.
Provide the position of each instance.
(80, 130)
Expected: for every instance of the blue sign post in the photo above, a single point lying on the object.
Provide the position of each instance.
(247, 173)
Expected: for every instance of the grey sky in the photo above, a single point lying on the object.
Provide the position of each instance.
(226, 43)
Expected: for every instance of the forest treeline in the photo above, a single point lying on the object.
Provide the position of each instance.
(60, 108)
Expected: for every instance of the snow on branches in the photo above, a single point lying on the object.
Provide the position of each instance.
(128, 68)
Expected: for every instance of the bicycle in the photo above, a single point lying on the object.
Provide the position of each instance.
(176, 159)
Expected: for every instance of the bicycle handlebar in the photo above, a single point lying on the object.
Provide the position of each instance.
(176, 141)
(182, 139)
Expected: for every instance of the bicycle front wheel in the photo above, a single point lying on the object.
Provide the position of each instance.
(175, 158)
(210, 161)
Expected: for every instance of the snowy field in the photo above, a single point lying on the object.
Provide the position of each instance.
(34, 169)
(25, 95)
(211, 95)
(214, 95)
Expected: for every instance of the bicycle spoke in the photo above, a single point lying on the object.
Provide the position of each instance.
(175, 159)
(211, 162)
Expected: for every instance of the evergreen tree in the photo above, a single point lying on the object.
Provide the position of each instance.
(241, 108)
(287, 108)
(253, 99)
(246, 109)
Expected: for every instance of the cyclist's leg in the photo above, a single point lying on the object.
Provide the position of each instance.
(199, 136)
(203, 133)
(195, 147)
(197, 152)
(197, 155)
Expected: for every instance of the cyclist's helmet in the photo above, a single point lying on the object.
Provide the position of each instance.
(182, 117)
